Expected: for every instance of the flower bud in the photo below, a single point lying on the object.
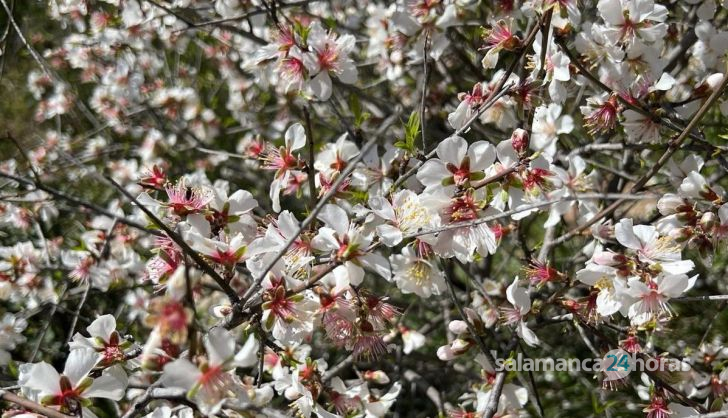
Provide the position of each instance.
(681, 234)
(713, 81)
(445, 353)
(605, 258)
(669, 204)
(458, 327)
(376, 376)
(519, 140)
(460, 345)
(708, 221)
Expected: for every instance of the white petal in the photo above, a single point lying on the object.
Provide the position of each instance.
(432, 173)
(110, 385)
(452, 150)
(248, 355)
(389, 235)
(624, 233)
(295, 137)
(44, 378)
(79, 364)
(180, 373)
(377, 263)
(482, 155)
(220, 346)
(321, 85)
(102, 327)
(335, 217)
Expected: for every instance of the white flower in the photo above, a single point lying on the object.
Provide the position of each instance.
(104, 339)
(412, 340)
(67, 392)
(651, 247)
(283, 161)
(406, 214)
(548, 124)
(11, 328)
(518, 297)
(630, 20)
(604, 278)
(349, 244)
(330, 55)
(413, 274)
(457, 164)
(210, 384)
(652, 297)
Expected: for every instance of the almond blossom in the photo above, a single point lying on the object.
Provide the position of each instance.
(236, 208)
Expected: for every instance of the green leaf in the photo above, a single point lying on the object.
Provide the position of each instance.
(411, 132)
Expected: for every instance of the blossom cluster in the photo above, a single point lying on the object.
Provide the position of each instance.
(342, 209)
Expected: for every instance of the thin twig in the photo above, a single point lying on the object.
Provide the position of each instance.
(350, 167)
(201, 263)
(673, 146)
(425, 76)
(311, 156)
(76, 201)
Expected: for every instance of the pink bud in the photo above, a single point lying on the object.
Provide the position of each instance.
(376, 376)
(605, 258)
(519, 139)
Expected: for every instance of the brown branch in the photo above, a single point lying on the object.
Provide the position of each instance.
(30, 405)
